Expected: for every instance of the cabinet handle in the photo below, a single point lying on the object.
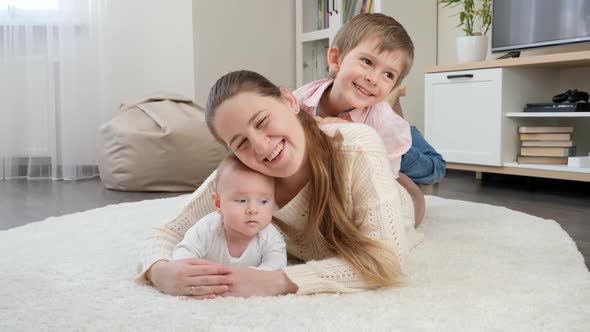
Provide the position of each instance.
(460, 76)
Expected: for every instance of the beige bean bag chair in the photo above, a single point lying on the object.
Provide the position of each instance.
(160, 143)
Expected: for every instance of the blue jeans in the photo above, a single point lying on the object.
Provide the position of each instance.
(422, 163)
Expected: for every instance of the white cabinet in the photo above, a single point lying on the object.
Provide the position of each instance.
(463, 117)
(473, 111)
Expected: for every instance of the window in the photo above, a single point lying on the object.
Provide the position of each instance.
(28, 11)
(30, 4)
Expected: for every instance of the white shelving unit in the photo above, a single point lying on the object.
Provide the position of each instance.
(548, 115)
(473, 111)
(559, 168)
(312, 42)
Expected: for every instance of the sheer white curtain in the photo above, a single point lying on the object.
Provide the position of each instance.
(53, 87)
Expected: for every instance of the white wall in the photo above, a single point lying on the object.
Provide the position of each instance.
(184, 46)
(153, 44)
(152, 48)
(419, 19)
(260, 35)
(230, 35)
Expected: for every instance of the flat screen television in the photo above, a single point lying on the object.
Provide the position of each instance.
(522, 24)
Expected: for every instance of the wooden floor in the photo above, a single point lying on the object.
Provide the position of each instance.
(566, 202)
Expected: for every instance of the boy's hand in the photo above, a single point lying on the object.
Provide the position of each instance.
(393, 99)
(394, 96)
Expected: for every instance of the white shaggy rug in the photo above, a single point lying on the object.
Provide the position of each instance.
(480, 268)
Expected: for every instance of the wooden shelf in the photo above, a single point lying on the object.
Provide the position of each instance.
(314, 35)
(540, 171)
(560, 60)
(548, 115)
(561, 168)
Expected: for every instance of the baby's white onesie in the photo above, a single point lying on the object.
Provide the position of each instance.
(206, 239)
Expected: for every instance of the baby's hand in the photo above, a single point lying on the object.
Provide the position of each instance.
(322, 121)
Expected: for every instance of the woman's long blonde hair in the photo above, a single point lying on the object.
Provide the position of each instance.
(328, 225)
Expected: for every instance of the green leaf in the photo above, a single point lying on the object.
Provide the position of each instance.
(470, 13)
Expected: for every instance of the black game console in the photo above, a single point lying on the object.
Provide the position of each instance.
(551, 107)
(572, 96)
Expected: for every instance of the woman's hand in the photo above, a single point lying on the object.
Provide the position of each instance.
(193, 277)
(251, 282)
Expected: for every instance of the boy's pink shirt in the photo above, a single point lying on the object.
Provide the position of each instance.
(393, 129)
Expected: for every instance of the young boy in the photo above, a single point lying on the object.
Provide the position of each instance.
(239, 233)
(369, 57)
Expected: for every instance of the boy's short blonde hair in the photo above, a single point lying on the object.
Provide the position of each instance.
(391, 34)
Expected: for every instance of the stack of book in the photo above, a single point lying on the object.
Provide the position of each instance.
(546, 145)
(351, 8)
(324, 14)
(316, 67)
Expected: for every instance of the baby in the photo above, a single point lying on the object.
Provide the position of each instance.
(239, 233)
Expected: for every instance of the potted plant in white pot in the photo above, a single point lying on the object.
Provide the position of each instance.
(475, 22)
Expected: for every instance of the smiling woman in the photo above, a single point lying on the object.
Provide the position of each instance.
(269, 144)
(349, 245)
